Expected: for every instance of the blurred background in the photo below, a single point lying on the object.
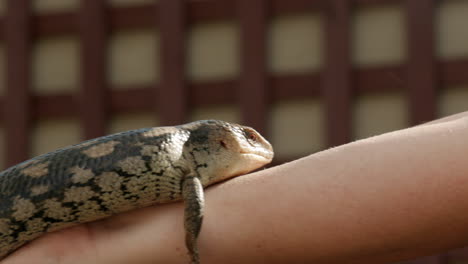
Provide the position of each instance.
(309, 74)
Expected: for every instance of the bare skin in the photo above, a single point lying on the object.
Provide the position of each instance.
(379, 200)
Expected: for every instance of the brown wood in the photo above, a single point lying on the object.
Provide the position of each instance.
(336, 83)
(422, 78)
(211, 10)
(294, 86)
(2, 27)
(379, 79)
(426, 260)
(280, 7)
(138, 99)
(143, 16)
(252, 93)
(220, 92)
(453, 72)
(445, 258)
(55, 106)
(459, 254)
(16, 104)
(132, 17)
(93, 95)
(55, 24)
(172, 96)
(376, 2)
(456, 256)
(283, 87)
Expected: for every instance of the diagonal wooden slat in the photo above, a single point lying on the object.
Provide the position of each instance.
(172, 96)
(93, 103)
(16, 104)
(253, 96)
(336, 82)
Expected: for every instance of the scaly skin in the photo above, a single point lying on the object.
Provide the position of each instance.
(116, 173)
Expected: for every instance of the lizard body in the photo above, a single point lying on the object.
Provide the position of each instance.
(116, 173)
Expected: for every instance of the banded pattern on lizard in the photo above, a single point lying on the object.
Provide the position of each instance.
(116, 173)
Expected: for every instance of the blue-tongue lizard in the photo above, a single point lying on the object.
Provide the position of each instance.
(120, 172)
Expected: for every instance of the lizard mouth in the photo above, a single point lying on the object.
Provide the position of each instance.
(265, 156)
(258, 154)
(250, 160)
(258, 158)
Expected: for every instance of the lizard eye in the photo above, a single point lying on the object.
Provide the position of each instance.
(251, 136)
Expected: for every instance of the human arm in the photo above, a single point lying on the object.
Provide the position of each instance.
(386, 198)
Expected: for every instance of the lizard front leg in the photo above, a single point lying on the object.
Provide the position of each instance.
(192, 192)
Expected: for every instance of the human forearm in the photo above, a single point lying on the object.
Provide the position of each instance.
(398, 195)
(386, 198)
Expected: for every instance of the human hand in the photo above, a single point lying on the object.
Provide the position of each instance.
(132, 237)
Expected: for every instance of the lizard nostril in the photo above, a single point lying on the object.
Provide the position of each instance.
(222, 143)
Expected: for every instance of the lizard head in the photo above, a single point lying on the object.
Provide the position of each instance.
(222, 150)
